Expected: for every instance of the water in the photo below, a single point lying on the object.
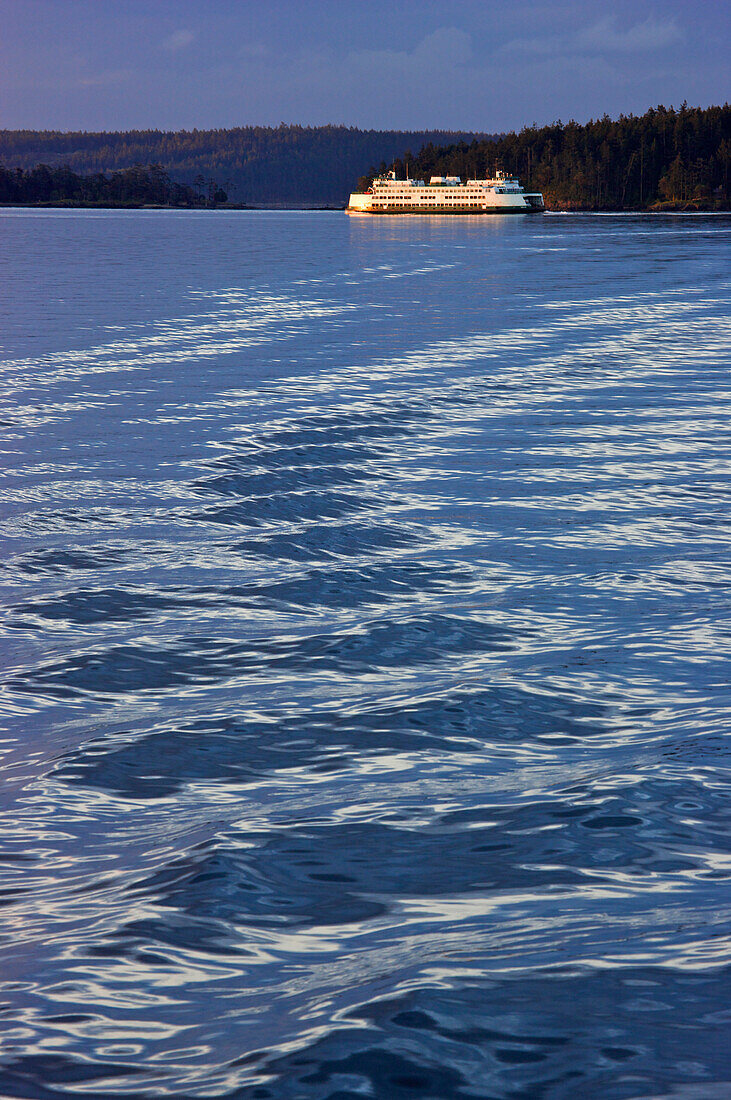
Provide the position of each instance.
(366, 641)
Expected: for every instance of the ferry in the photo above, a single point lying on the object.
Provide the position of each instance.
(445, 195)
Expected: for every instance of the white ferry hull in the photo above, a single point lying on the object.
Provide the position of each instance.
(445, 195)
(447, 210)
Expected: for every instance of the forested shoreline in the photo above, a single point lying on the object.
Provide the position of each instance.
(254, 165)
(133, 187)
(665, 159)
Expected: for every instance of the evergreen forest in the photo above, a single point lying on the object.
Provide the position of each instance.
(673, 159)
(133, 187)
(665, 159)
(257, 165)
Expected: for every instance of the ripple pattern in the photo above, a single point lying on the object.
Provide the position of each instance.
(366, 642)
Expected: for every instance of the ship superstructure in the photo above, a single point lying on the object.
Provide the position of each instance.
(445, 195)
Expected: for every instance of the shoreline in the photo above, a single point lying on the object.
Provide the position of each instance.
(284, 208)
(162, 206)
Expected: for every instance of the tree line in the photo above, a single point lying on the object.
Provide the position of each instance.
(136, 186)
(253, 164)
(664, 159)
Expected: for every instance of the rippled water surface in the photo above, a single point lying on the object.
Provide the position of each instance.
(366, 640)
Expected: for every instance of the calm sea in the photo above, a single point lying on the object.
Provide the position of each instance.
(365, 656)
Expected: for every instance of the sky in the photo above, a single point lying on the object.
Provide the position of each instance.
(404, 64)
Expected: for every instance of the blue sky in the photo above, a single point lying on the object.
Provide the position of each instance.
(414, 64)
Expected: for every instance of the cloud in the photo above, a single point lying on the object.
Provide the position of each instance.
(602, 37)
(653, 34)
(375, 87)
(178, 40)
(437, 55)
(446, 46)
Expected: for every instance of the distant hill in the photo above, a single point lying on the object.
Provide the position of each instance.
(253, 164)
(664, 159)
